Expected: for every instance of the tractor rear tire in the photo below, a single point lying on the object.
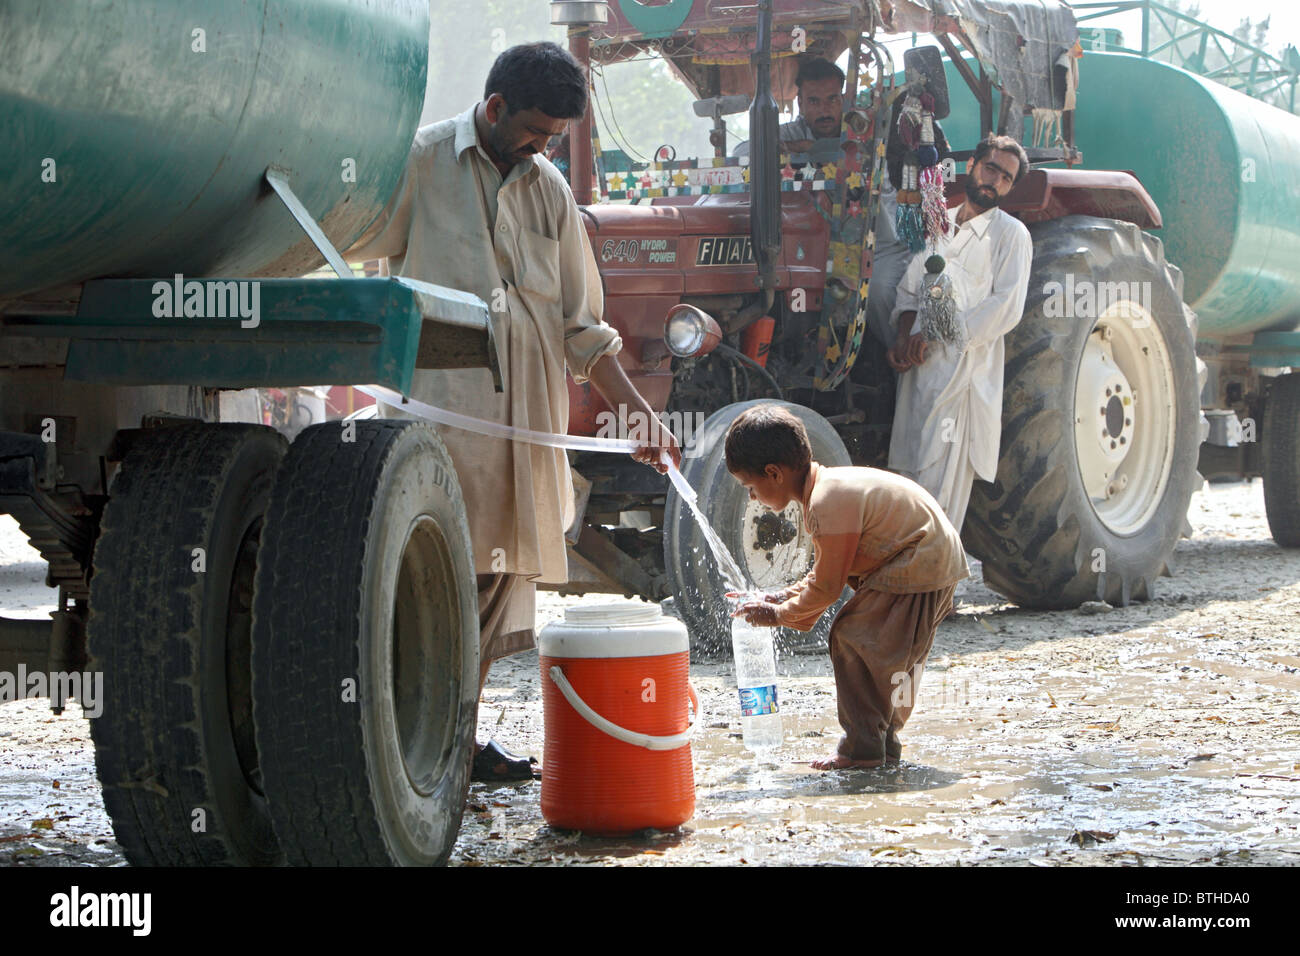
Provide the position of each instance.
(1091, 492)
(1282, 460)
(694, 579)
(366, 647)
(169, 628)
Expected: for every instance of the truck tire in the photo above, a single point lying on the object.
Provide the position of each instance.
(773, 550)
(365, 647)
(1282, 460)
(169, 629)
(1100, 417)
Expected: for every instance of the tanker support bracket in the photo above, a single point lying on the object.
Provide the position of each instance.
(277, 179)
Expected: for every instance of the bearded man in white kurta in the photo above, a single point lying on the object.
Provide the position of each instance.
(948, 419)
(478, 208)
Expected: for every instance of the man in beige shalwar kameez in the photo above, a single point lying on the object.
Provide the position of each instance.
(478, 208)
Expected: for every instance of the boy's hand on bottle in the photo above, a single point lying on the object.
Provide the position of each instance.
(757, 613)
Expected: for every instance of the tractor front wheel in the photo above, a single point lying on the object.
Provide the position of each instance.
(772, 550)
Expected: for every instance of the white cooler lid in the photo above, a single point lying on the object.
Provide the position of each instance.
(613, 630)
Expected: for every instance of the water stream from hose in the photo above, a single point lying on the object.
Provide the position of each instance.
(732, 576)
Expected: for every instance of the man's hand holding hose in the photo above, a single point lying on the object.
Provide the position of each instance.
(614, 386)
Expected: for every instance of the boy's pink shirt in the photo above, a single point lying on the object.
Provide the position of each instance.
(872, 529)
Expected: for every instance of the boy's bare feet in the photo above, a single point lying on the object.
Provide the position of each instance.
(836, 762)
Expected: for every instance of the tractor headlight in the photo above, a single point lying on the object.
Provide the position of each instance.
(690, 332)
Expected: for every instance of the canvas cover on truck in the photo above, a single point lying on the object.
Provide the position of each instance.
(1023, 46)
(708, 44)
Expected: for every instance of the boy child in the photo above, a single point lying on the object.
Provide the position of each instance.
(882, 534)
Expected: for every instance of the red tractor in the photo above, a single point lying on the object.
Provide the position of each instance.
(734, 280)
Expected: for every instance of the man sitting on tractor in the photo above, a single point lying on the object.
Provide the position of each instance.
(821, 108)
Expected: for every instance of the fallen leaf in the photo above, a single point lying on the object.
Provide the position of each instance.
(44, 823)
(1112, 726)
(1086, 837)
(892, 848)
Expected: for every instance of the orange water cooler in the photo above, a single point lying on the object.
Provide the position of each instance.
(615, 696)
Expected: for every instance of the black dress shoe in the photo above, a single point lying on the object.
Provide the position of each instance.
(493, 763)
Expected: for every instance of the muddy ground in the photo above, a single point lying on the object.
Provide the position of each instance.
(1165, 732)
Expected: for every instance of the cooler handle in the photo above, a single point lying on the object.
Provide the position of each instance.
(648, 741)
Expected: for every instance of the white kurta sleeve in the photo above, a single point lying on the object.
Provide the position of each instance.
(999, 313)
(909, 290)
(586, 335)
(388, 234)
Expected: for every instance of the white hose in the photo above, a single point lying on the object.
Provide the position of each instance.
(648, 741)
(495, 429)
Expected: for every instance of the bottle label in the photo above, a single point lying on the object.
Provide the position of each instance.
(757, 701)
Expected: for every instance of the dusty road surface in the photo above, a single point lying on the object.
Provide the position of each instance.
(1165, 732)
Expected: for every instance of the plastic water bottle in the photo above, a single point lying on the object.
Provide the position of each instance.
(760, 714)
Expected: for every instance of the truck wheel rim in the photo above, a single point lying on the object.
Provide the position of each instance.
(775, 548)
(425, 648)
(1125, 413)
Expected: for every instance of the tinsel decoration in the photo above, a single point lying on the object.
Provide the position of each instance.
(938, 306)
(934, 207)
(922, 209)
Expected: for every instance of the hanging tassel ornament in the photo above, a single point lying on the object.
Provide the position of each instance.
(937, 312)
(908, 222)
(922, 209)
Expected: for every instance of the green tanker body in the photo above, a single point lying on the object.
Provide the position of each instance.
(136, 134)
(1224, 169)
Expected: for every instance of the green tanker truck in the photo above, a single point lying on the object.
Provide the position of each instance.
(288, 636)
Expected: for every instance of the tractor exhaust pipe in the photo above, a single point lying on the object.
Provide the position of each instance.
(765, 151)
